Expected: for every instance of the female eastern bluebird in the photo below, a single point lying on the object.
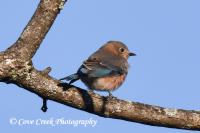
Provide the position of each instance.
(104, 70)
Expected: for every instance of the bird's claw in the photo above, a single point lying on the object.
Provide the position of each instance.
(110, 96)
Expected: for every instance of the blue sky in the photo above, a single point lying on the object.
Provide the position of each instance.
(164, 34)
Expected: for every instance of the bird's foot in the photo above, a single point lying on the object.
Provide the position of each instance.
(90, 90)
(110, 96)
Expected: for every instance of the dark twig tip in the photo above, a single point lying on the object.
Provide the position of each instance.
(44, 109)
(44, 106)
(47, 70)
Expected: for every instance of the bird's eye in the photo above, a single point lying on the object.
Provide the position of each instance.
(122, 50)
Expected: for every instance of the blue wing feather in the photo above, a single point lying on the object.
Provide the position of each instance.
(95, 68)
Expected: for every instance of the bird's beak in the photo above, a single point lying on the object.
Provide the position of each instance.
(132, 54)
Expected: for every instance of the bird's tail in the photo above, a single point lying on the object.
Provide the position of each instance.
(72, 78)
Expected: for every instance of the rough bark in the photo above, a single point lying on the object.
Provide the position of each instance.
(16, 67)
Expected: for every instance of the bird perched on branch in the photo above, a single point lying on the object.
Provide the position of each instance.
(104, 70)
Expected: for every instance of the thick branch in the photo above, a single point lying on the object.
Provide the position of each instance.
(49, 88)
(35, 31)
(16, 67)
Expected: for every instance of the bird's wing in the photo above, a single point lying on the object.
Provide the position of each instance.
(94, 67)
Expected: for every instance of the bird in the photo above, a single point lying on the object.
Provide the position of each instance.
(104, 70)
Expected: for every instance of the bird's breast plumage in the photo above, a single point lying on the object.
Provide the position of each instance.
(104, 83)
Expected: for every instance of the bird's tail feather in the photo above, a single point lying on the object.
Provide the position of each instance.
(71, 77)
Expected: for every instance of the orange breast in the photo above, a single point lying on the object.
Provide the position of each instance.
(105, 83)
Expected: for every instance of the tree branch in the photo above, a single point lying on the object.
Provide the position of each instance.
(16, 67)
(35, 31)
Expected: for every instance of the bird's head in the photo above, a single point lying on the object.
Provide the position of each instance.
(117, 48)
